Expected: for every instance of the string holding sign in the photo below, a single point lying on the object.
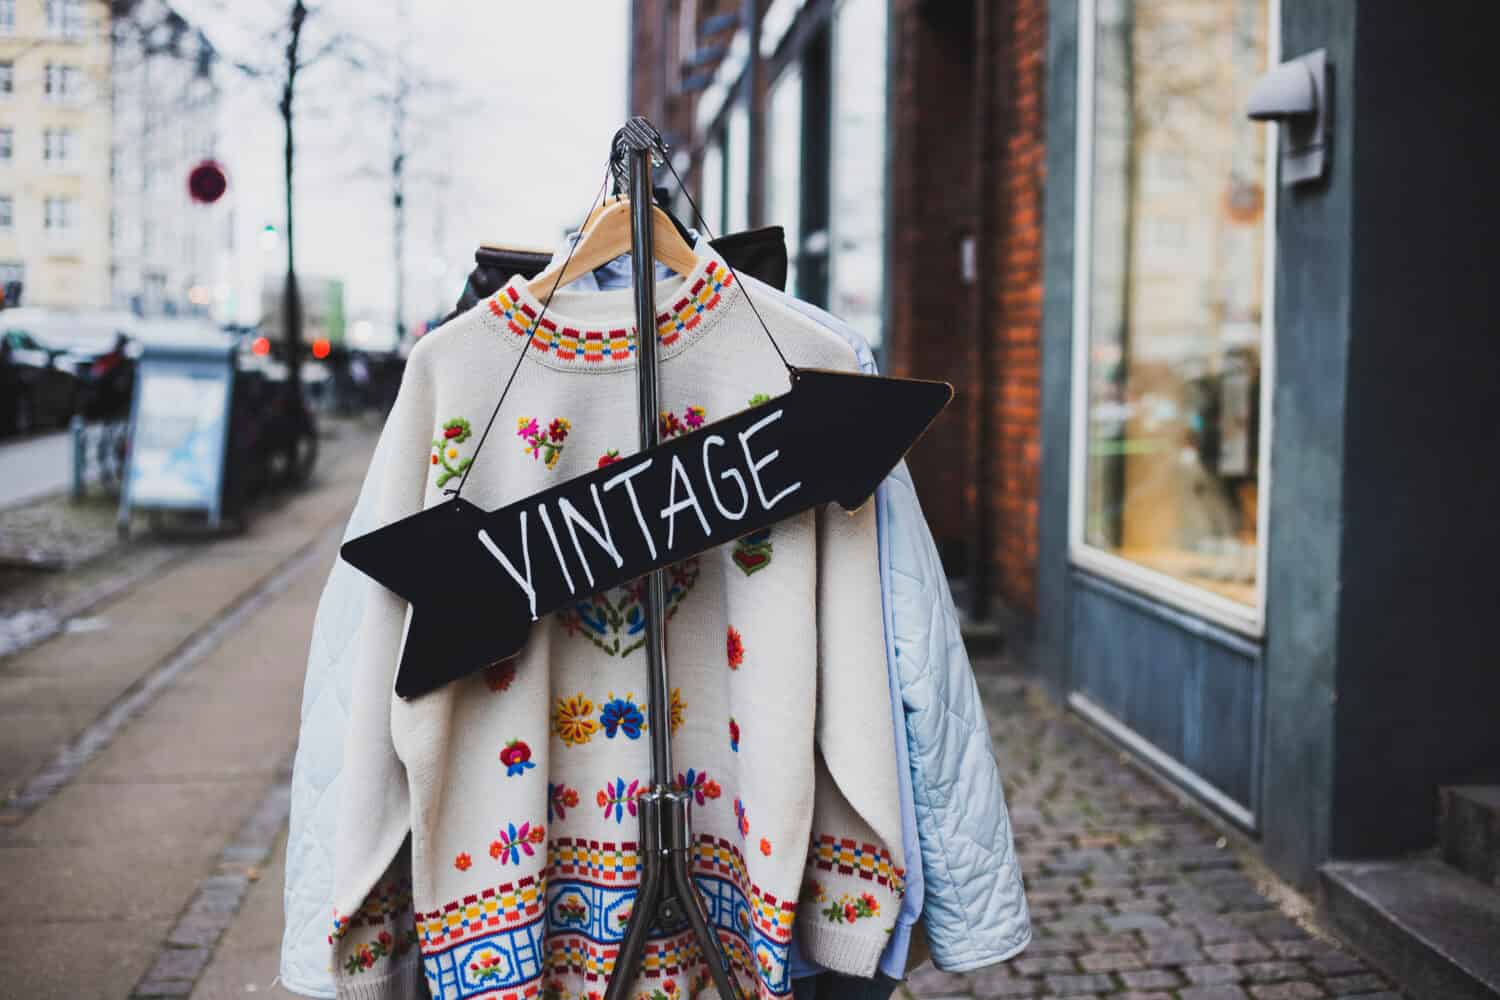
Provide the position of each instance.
(725, 480)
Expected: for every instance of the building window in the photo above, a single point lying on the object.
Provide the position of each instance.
(57, 146)
(1173, 272)
(7, 212)
(856, 275)
(784, 163)
(7, 17)
(7, 144)
(712, 186)
(737, 171)
(7, 78)
(61, 82)
(12, 271)
(57, 214)
(65, 18)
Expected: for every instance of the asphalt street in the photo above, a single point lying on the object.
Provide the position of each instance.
(34, 467)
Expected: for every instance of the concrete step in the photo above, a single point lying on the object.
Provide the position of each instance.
(1431, 928)
(1470, 831)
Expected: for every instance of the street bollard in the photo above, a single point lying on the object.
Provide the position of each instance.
(80, 454)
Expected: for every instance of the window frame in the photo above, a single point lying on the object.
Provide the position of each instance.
(7, 23)
(7, 143)
(7, 213)
(1246, 619)
(65, 214)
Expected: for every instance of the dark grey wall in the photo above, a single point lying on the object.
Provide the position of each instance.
(1314, 234)
(1061, 91)
(1419, 673)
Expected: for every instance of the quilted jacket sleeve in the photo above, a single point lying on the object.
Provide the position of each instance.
(372, 944)
(974, 911)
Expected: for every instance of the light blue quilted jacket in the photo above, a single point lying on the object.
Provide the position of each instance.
(974, 909)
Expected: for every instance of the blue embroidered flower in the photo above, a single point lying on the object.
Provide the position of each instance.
(622, 715)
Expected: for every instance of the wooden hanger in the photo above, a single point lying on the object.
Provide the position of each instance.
(608, 237)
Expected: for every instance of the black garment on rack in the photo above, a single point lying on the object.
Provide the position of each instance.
(757, 252)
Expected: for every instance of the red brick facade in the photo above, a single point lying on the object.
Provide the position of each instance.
(966, 136)
(946, 106)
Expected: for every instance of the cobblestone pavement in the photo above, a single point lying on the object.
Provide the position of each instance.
(1132, 894)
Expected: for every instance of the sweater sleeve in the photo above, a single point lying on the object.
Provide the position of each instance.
(373, 938)
(855, 869)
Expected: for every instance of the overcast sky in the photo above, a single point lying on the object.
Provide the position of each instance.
(545, 87)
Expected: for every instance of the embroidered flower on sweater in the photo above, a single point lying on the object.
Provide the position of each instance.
(672, 425)
(741, 818)
(622, 715)
(544, 444)
(699, 784)
(619, 798)
(847, 909)
(445, 450)
(498, 676)
(463, 861)
(560, 798)
(487, 964)
(614, 620)
(609, 458)
(734, 735)
(512, 842)
(676, 710)
(760, 398)
(517, 758)
(736, 648)
(571, 722)
(765, 847)
(386, 945)
(753, 552)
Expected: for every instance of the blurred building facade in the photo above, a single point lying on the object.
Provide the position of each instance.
(55, 122)
(899, 143)
(1215, 453)
(169, 254)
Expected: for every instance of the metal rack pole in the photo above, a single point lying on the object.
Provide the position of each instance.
(667, 892)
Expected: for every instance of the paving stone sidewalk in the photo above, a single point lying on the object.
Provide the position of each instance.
(1132, 894)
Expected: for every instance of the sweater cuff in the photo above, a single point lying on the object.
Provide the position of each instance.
(842, 950)
(405, 981)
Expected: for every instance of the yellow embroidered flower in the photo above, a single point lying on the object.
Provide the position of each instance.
(571, 722)
(452, 452)
(678, 706)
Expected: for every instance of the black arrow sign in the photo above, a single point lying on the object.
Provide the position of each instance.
(506, 568)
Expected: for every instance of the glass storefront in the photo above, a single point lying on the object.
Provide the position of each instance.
(713, 187)
(1176, 290)
(858, 165)
(737, 214)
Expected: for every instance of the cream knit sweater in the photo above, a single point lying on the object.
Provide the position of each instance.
(487, 830)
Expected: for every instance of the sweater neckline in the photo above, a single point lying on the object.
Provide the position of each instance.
(594, 331)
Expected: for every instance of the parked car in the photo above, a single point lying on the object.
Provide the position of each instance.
(100, 348)
(38, 387)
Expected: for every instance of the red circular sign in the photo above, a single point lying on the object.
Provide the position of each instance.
(207, 182)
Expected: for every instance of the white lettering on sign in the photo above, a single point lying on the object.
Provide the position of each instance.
(605, 539)
(731, 474)
(562, 563)
(635, 504)
(756, 464)
(670, 511)
(524, 582)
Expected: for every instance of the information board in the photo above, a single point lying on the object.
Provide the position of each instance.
(178, 432)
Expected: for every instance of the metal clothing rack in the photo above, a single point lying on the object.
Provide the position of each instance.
(667, 893)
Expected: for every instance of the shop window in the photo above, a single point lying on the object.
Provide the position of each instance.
(1167, 487)
(712, 187)
(784, 160)
(737, 187)
(858, 167)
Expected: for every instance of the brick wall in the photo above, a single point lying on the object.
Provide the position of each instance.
(932, 208)
(936, 169)
(1017, 396)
